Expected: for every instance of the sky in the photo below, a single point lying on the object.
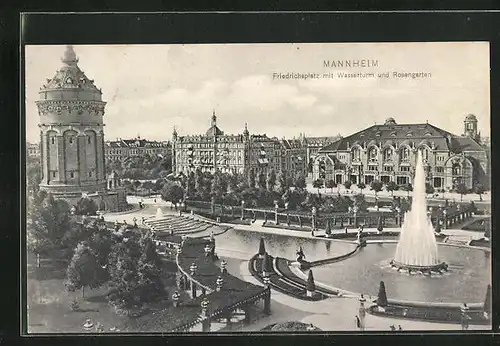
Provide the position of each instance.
(149, 89)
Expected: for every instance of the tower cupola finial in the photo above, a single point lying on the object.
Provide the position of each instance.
(69, 57)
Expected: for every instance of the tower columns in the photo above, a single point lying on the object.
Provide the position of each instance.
(44, 157)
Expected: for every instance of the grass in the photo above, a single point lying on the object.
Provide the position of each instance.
(49, 303)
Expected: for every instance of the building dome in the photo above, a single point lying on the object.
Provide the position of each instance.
(390, 121)
(470, 117)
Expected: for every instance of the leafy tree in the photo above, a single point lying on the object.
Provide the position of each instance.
(330, 184)
(347, 184)
(199, 181)
(429, 188)
(150, 286)
(262, 180)
(361, 187)
(217, 188)
(300, 182)
(38, 238)
(462, 190)
(408, 188)
(86, 206)
(33, 174)
(392, 186)
(380, 224)
(148, 185)
(271, 180)
(172, 192)
(479, 189)
(360, 203)
(233, 183)
(376, 186)
(83, 270)
(251, 178)
(318, 184)
(282, 184)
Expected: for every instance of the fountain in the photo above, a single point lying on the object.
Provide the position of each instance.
(159, 213)
(417, 248)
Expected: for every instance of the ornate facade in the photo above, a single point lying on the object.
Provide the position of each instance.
(388, 153)
(71, 125)
(227, 153)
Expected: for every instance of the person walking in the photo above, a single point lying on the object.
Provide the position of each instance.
(464, 316)
(399, 327)
(358, 322)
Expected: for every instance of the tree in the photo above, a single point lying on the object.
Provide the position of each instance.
(198, 181)
(487, 300)
(380, 224)
(330, 184)
(300, 182)
(172, 192)
(310, 285)
(271, 180)
(136, 184)
(376, 186)
(282, 185)
(361, 187)
(150, 286)
(38, 237)
(429, 189)
(83, 270)
(408, 187)
(318, 184)
(262, 180)
(86, 206)
(217, 186)
(391, 186)
(462, 190)
(262, 247)
(148, 185)
(359, 203)
(479, 189)
(347, 184)
(382, 296)
(251, 178)
(328, 228)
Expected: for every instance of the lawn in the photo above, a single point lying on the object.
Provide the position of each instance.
(49, 303)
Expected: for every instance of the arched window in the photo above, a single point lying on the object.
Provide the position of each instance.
(425, 153)
(456, 169)
(372, 153)
(387, 154)
(355, 154)
(405, 154)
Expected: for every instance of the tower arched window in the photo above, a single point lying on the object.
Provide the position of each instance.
(53, 140)
(425, 153)
(89, 140)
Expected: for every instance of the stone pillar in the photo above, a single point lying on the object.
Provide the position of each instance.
(205, 315)
(267, 302)
(193, 289)
(247, 319)
(45, 158)
(242, 210)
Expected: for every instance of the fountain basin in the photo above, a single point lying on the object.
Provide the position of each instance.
(425, 270)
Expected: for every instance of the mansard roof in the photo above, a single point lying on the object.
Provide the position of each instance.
(405, 134)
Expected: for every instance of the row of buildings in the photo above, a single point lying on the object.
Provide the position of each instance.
(239, 153)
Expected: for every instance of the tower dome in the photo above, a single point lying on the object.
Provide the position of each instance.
(470, 117)
(390, 121)
(71, 114)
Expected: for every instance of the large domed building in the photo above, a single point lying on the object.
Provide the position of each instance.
(388, 152)
(71, 113)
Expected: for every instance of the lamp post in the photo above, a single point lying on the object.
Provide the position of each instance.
(242, 210)
(355, 213)
(276, 207)
(313, 213)
(445, 220)
(398, 211)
